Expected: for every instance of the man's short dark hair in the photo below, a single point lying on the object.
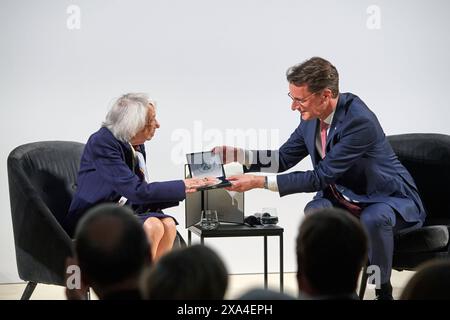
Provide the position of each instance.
(430, 282)
(194, 272)
(317, 73)
(111, 245)
(331, 250)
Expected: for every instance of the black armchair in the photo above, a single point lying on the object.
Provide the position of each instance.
(42, 180)
(427, 158)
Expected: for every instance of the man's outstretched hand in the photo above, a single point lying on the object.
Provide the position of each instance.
(245, 182)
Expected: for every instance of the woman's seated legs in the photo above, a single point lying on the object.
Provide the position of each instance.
(170, 232)
(154, 229)
(161, 234)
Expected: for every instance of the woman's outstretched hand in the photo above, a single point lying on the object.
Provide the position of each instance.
(193, 183)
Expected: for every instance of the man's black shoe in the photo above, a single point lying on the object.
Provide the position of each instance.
(385, 292)
(384, 297)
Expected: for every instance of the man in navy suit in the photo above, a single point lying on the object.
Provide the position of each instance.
(355, 167)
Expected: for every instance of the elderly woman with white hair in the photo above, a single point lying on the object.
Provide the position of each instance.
(113, 169)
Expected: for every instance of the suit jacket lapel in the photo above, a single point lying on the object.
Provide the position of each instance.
(339, 115)
(142, 149)
(129, 157)
(310, 139)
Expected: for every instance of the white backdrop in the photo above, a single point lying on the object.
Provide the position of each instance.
(214, 67)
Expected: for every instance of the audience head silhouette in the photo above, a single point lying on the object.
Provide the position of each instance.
(430, 282)
(265, 294)
(112, 250)
(331, 250)
(195, 272)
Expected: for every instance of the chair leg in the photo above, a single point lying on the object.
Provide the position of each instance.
(363, 285)
(88, 294)
(179, 241)
(28, 290)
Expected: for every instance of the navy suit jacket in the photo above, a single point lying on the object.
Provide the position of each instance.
(107, 172)
(359, 161)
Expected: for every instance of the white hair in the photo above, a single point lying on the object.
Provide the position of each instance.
(128, 115)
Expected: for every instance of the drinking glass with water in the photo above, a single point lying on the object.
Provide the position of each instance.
(209, 220)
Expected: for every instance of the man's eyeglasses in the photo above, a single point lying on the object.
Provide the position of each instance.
(300, 101)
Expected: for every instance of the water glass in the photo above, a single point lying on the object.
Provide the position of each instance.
(209, 220)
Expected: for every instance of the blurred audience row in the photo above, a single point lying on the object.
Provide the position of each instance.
(114, 256)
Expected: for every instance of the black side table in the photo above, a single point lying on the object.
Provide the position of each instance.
(238, 230)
